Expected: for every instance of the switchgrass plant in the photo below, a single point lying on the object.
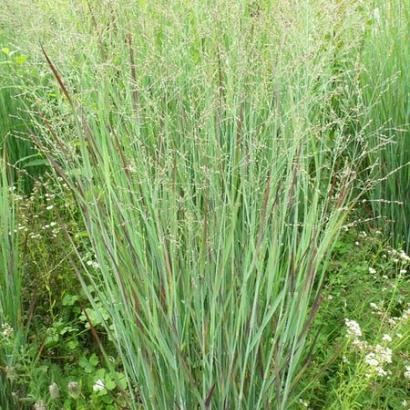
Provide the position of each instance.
(213, 176)
(385, 82)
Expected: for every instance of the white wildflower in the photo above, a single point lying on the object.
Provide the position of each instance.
(93, 264)
(406, 314)
(360, 344)
(403, 255)
(353, 328)
(6, 330)
(387, 338)
(304, 403)
(371, 360)
(54, 391)
(49, 207)
(99, 385)
(384, 353)
(381, 372)
(377, 358)
(372, 270)
(40, 405)
(407, 372)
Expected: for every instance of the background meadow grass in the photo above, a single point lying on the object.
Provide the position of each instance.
(11, 315)
(214, 151)
(385, 85)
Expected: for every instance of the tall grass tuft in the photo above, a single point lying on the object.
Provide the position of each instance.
(212, 171)
(385, 83)
(11, 322)
(15, 145)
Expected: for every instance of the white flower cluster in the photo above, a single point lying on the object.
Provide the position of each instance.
(92, 263)
(99, 385)
(394, 321)
(353, 329)
(40, 405)
(375, 306)
(378, 309)
(54, 391)
(6, 330)
(399, 255)
(375, 356)
(407, 372)
(304, 403)
(379, 357)
(406, 313)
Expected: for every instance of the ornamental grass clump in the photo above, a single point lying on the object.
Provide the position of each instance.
(213, 173)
